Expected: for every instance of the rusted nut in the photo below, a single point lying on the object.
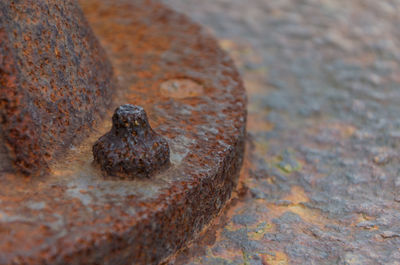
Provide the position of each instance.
(131, 148)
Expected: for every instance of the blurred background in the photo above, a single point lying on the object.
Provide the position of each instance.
(321, 180)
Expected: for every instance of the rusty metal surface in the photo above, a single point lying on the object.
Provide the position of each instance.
(193, 97)
(322, 183)
(131, 148)
(55, 81)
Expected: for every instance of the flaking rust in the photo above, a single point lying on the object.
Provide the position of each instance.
(132, 148)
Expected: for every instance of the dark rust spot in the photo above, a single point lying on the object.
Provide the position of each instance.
(131, 148)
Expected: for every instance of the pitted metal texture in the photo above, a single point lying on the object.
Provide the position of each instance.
(131, 148)
(55, 82)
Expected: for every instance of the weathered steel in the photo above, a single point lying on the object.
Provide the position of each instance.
(194, 98)
(322, 184)
(131, 149)
(55, 81)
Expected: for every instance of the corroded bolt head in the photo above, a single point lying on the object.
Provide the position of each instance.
(131, 148)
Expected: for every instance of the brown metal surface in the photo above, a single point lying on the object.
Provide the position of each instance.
(194, 98)
(55, 81)
(322, 184)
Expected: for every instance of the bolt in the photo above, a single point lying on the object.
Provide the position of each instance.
(131, 148)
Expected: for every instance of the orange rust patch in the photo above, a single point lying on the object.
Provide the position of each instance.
(297, 195)
(258, 123)
(278, 258)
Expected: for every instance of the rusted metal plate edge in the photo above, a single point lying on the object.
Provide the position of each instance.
(75, 216)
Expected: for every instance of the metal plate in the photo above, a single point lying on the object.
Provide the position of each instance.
(193, 96)
(322, 184)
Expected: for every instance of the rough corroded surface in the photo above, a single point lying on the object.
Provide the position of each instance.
(131, 148)
(74, 215)
(323, 181)
(55, 81)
